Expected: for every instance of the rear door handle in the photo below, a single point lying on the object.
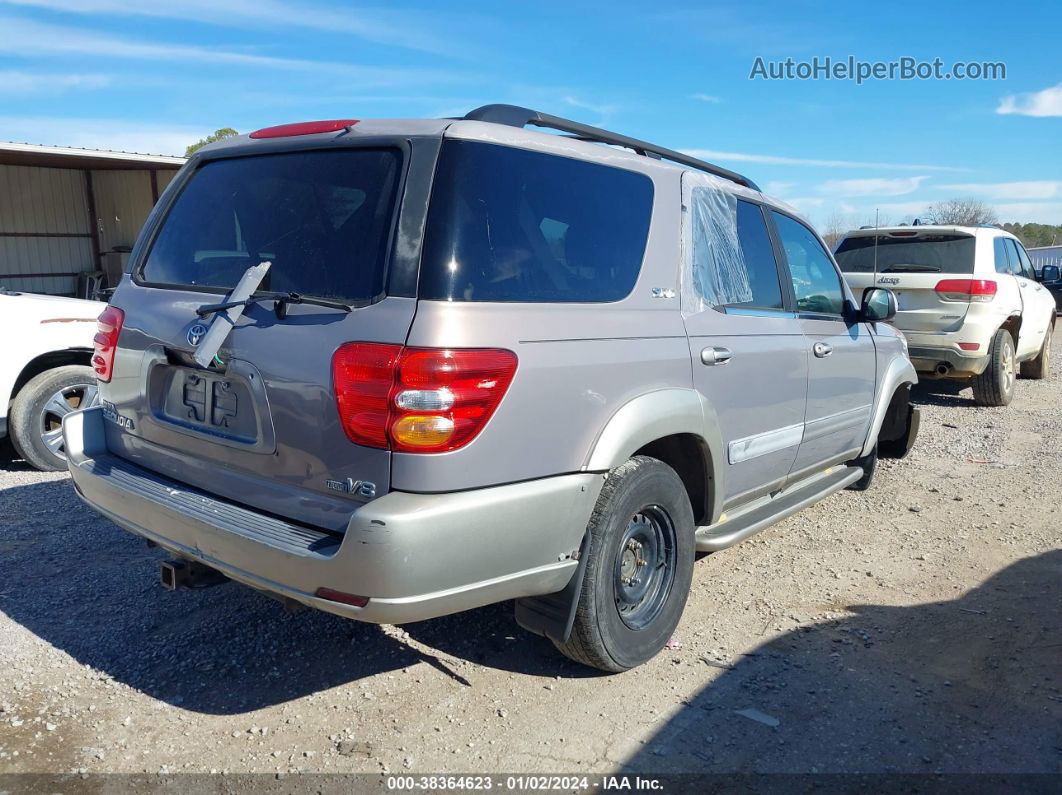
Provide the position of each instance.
(821, 349)
(713, 356)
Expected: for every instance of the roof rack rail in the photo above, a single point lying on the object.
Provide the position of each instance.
(515, 116)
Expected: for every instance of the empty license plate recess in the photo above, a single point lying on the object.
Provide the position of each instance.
(218, 404)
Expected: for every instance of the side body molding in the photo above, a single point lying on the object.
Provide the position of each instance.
(653, 416)
(898, 371)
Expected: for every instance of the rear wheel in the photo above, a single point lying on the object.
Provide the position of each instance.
(995, 386)
(36, 419)
(1040, 367)
(638, 568)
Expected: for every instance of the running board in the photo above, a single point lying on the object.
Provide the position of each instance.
(748, 520)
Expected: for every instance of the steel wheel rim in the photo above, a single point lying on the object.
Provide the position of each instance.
(50, 422)
(1008, 368)
(1047, 351)
(645, 567)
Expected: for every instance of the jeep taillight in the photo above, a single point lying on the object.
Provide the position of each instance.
(418, 400)
(981, 290)
(108, 328)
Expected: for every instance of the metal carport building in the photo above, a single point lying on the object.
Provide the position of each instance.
(68, 217)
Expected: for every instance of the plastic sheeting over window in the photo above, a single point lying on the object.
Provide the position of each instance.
(714, 271)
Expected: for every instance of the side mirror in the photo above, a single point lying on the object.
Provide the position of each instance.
(878, 306)
(1049, 273)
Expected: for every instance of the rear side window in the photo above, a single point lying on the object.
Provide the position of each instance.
(999, 248)
(923, 254)
(509, 224)
(731, 258)
(322, 218)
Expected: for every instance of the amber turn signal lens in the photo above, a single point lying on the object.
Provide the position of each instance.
(422, 430)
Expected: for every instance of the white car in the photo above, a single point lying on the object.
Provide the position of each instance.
(45, 371)
(968, 298)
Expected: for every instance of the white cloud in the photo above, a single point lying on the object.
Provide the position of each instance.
(603, 111)
(777, 187)
(779, 160)
(414, 29)
(120, 135)
(22, 37)
(898, 210)
(15, 82)
(871, 187)
(1031, 189)
(806, 204)
(706, 98)
(1030, 212)
(1036, 103)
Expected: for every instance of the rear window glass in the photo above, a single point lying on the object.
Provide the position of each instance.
(322, 218)
(925, 254)
(508, 224)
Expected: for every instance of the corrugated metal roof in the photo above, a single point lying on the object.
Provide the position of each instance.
(22, 154)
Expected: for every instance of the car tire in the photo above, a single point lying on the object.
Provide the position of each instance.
(995, 386)
(642, 525)
(35, 421)
(869, 464)
(1040, 367)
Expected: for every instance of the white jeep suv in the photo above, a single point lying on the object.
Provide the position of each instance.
(969, 301)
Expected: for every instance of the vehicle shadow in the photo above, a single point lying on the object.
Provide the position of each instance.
(92, 590)
(970, 685)
(949, 394)
(10, 460)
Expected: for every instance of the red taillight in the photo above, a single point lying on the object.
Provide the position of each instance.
(304, 128)
(362, 376)
(982, 290)
(418, 400)
(108, 328)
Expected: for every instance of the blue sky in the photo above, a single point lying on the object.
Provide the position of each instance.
(154, 75)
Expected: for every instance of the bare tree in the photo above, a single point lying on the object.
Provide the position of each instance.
(835, 227)
(960, 212)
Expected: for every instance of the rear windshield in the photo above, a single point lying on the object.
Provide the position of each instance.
(508, 224)
(322, 218)
(926, 254)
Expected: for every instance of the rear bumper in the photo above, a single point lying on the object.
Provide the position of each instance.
(415, 556)
(928, 350)
(926, 361)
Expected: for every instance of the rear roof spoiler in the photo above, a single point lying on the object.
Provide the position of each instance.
(515, 116)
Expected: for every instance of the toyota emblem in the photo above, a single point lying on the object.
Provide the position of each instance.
(196, 333)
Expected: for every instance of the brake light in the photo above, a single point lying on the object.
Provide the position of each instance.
(108, 328)
(418, 400)
(304, 128)
(981, 290)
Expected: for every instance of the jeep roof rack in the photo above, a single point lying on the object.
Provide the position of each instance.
(515, 116)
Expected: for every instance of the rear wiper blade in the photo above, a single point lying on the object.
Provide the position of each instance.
(281, 301)
(910, 268)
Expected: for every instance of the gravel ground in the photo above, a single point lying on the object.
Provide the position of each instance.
(914, 627)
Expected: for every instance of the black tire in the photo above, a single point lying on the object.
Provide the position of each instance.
(643, 501)
(35, 421)
(869, 463)
(1040, 367)
(995, 386)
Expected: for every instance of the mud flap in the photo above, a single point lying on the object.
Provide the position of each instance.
(901, 445)
(553, 615)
